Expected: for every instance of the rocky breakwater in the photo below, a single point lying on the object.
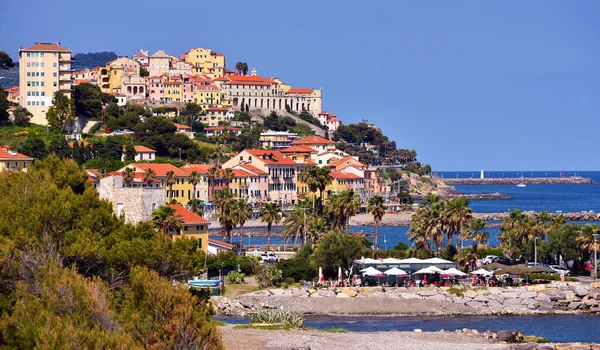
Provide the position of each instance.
(518, 180)
(363, 301)
(581, 216)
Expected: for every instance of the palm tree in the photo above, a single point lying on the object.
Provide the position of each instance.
(350, 203)
(213, 174)
(196, 206)
(270, 213)
(311, 178)
(315, 229)
(226, 206)
(377, 208)
(227, 176)
(293, 225)
(193, 179)
(170, 181)
(324, 178)
(466, 260)
(165, 221)
(475, 230)
(242, 213)
(456, 214)
(586, 237)
(128, 175)
(216, 154)
(149, 176)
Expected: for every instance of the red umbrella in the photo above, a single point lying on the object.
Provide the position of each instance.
(474, 279)
(424, 278)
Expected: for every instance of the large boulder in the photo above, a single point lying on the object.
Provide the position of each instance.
(349, 292)
(510, 295)
(428, 293)
(574, 305)
(526, 295)
(326, 293)
(471, 293)
(410, 296)
(277, 292)
(581, 291)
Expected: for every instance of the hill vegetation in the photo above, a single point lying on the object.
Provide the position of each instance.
(93, 59)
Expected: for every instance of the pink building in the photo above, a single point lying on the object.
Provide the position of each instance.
(155, 88)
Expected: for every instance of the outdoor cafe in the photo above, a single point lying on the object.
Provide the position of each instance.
(405, 272)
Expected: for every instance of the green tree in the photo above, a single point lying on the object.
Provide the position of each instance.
(225, 205)
(21, 116)
(5, 61)
(337, 250)
(4, 105)
(165, 221)
(195, 206)
(270, 212)
(194, 179)
(191, 112)
(456, 214)
(34, 147)
(241, 214)
(128, 175)
(170, 180)
(144, 72)
(475, 230)
(377, 208)
(149, 176)
(293, 226)
(587, 237)
(89, 100)
(60, 114)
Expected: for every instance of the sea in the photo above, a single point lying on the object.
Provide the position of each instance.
(553, 198)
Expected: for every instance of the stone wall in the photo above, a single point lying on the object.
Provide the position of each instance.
(138, 202)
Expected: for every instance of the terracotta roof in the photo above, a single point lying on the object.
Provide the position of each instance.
(14, 89)
(216, 54)
(139, 54)
(172, 83)
(270, 156)
(181, 126)
(160, 54)
(187, 217)
(300, 91)
(351, 160)
(344, 176)
(137, 177)
(221, 243)
(199, 168)
(252, 169)
(308, 161)
(85, 143)
(221, 79)
(217, 109)
(160, 169)
(46, 47)
(313, 140)
(221, 128)
(299, 149)
(79, 81)
(144, 149)
(7, 154)
(207, 87)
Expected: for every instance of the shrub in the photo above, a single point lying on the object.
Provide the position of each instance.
(267, 276)
(235, 277)
(483, 252)
(281, 317)
(290, 280)
(457, 291)
(298, 268)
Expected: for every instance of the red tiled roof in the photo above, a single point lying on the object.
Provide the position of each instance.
(199, 168)
(221, 79)
(137, 177)
(299, 149)
(221, 128)
(351, 160)
(79, 81)
(187, 217)
(207, 87)
(276, 157)
(217, 109)
(300, 91)
(46, 47)
(140, 149)
(221, 243)
(344, 176)
(85, 143)
(14, 89)
(252, 169)
(160, 169)
(139, 54)
(172, 83)
(7, 154)
(181, 126)
(313, 140)
(216, 54)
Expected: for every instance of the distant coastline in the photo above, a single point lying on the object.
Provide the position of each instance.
(517, 180)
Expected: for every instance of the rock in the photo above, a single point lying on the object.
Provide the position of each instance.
(276, 292)
(595, 285)
(526, 346)
(299, 292)
(476, 304)
(418, 330)
(591, 302)
(494, 304)
(459, 300)
(497, 297)
(260, 293)
(570, 295)
(507, 336)
(471, 293)
(438, 297)
(427, 293)
(349, 292)
(410, 296)
(553, 294)
(512, 302)
(326, 293)
(543, 298)
(483, 291)
(342, 295)
(480, 298)
(510, 295)
(527, 295)
(581, 291)
(574, 305)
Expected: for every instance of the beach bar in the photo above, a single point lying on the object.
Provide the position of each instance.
(410, 265)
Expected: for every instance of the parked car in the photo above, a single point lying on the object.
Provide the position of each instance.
(107, 130)
(264, 257)
(123, 132)
(489, 259)
(272, 258)
(560, 270)
(503, 260)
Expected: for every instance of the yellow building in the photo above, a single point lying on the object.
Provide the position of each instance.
(110, 78)
(181, 190)
(12, 161)
(44, 69)
(214, 115)
(173, 91)
(208, 96)
(193, 227)
(206, 62)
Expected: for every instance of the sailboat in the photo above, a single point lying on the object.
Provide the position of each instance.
(522, 183)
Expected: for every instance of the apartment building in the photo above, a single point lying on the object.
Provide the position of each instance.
(205, 62)
(44, 69)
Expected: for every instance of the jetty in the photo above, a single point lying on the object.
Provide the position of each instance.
(520, 180)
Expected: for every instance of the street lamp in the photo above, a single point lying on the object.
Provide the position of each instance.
(180, 154)
(535, 251)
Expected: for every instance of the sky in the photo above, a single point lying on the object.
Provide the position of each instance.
(469, 85)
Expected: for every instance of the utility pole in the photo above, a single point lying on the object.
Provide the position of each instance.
(535, 251)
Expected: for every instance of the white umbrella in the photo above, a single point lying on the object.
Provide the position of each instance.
(391, 261)
(454, 272)
(394, 271)
(411, 261)
(435, 269)
(437, 261)
(424, 271)
(370, 271)
(481, 272)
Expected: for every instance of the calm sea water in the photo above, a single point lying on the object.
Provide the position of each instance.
(557, 328)
(565, 198)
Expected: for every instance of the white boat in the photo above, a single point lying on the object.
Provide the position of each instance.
(522, 183)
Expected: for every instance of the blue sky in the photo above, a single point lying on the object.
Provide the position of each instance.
(468, 84)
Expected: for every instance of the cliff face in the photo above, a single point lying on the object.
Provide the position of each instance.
(421, 186)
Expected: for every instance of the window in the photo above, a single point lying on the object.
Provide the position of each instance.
(54, 64)
(119, 209)
(54, 74)
(185, 228)
(24, 164)
(43, 83)
(42, 64)
(43, 103)
(54, 84)
(198, 228)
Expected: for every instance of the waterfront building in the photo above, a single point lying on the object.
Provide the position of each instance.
(13, 161)
(44, 69)
(135, 200)
(258, 186)
(193, 226)
(181, 190)
(216, 246)
(207, 187)
(280, 169)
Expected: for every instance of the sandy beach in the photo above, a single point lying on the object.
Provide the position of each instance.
(241, 339)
